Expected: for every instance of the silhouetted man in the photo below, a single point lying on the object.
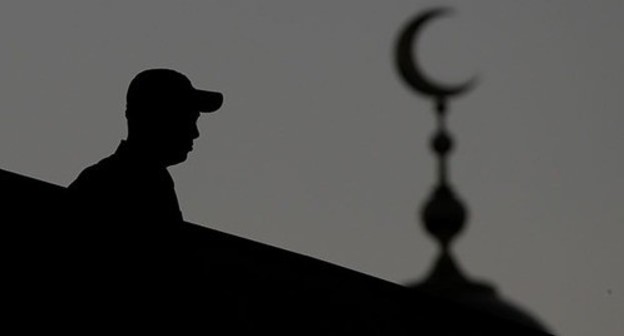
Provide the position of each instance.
(132, 188)
(126, 209)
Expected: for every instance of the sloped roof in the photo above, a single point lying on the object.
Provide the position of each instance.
(239, 286)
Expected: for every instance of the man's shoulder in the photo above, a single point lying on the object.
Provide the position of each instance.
(101, 174)
(117, 173)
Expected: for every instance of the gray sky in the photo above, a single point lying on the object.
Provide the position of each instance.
(322, 150)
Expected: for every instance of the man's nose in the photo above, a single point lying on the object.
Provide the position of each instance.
(194, 132)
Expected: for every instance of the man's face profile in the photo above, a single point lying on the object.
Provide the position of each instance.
(175, 132)
(162, 108)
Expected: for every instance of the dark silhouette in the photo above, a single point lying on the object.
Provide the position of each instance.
(247, 287)
(128, 204)
(133, 184)
(445, 214)
(112, 253)
(129, 196)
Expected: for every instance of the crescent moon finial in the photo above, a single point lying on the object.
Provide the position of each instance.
(408, 66)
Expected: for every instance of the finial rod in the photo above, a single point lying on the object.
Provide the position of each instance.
(443, 214)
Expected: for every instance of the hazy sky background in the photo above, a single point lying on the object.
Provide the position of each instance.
(322, 150)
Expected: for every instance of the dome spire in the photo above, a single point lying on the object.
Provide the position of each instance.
(444, 215)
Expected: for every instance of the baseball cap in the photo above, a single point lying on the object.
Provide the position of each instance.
(158, 88)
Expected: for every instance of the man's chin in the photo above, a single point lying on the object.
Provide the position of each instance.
(177, 158)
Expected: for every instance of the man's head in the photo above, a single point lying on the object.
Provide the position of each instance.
(162, 109)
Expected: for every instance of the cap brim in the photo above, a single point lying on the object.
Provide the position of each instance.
(208, 101)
